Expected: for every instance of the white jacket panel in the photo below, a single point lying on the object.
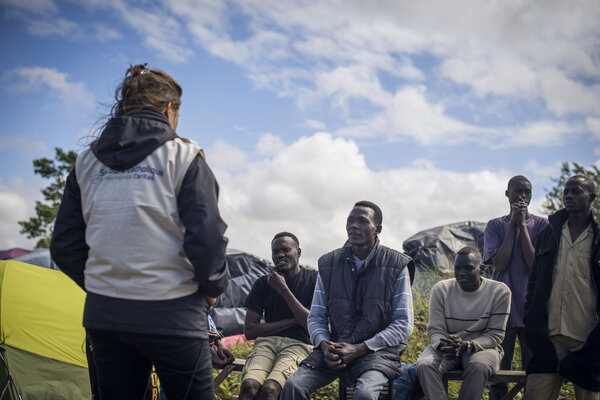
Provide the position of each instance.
(133, 227)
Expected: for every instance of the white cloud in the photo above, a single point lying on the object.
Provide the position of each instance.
(345, 83)
(389, 55)
(30, 6)
(314, 124)
(497, 75)
(410, 114)
(159, 31)
(41, 18)
(309, 187)
(563, 95)
(541, 134)
(226, 156)
(593, 125)
(535, 206)
(269, 144)
(515, 50)
(19, 143)
(542, 171)
(17, 199)
(34, 79)
(55, 26)
(106, 33)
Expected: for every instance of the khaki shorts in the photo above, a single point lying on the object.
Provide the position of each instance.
(275, 358)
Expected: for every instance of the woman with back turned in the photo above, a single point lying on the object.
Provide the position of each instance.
(139, 230)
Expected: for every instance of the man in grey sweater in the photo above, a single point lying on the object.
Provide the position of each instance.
(467, 319)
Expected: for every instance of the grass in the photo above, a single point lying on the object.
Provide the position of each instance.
(230, 388)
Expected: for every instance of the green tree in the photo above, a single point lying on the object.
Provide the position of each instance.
(56, 170)
(554, 196)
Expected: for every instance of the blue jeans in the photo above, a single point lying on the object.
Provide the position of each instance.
(407, 386)
(307, 380)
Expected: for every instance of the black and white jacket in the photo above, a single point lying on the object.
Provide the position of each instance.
(139, 229)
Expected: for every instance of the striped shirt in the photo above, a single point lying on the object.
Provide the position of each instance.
(479, 316)
(394, 334)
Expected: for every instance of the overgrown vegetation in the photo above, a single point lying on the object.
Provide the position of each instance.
(230, 388)
(554, 196)
(40, 226)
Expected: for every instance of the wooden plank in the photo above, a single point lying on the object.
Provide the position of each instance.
(509, 376)
(236, 365)
(500, 376)
(513, 392)
(223, 374)
(506, 376)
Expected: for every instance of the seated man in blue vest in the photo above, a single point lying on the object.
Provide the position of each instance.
(363, 294)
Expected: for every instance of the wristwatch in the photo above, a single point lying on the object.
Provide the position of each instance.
(470, 347)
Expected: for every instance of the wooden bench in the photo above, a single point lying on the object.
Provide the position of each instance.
(519, 378)
(236, 365)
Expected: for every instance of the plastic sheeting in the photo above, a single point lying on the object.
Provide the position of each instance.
(12, 253)
(434, 249)
(229, 312)
(39, 257)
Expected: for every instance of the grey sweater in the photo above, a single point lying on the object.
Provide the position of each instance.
(478, 316)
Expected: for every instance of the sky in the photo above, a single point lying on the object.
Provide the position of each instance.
(426, 108)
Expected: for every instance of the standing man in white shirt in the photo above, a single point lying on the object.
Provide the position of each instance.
(563, 299)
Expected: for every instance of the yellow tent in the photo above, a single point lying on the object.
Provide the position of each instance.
(42, 340)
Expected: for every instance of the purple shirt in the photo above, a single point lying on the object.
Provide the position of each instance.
(517, 273)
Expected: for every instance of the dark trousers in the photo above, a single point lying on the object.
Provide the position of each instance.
(499, 389)
(124, 360)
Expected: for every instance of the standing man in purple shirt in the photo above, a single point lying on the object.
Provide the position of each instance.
(508, 245)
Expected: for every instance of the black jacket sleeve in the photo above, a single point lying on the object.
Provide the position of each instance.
(203, 242)
(68, 248)
(531, 285)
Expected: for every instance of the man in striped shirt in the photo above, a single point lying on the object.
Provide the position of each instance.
(467, 319)
(361, 314)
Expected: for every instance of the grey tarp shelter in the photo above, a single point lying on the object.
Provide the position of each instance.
(434, 249)
(244, 269)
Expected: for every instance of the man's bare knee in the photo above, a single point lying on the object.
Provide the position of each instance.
(249, 389)
(269, 391)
